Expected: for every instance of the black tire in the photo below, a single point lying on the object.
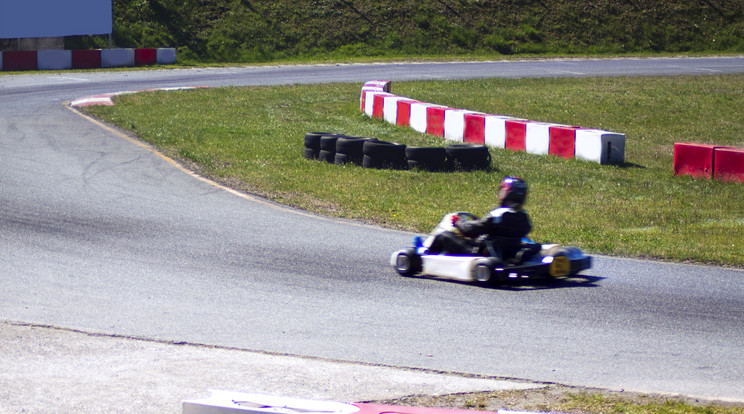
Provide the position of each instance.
(352, 149)
(382, 154)
(310, 154)
(408, 262)
(485, 272)
(340, 159)
(327, 151)
(427, 158)
(368, 162)
(468, 157)
(312, 144)
(312, 139)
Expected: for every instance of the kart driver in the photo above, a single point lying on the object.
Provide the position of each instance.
(505, 226)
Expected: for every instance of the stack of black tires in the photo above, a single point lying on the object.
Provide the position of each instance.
(374, 153)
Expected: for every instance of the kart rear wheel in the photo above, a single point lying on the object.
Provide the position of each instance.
(483, 274)
(407, 262)
(489, 271)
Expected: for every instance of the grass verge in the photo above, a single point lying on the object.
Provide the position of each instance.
(252, 139)
(563, 399)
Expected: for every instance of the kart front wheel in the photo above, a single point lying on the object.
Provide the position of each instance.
(407, 262)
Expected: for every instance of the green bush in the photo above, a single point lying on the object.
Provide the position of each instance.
(259, 30)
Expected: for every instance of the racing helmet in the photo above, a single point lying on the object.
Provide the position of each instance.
(513, 192)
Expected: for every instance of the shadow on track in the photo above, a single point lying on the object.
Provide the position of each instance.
(523, 284)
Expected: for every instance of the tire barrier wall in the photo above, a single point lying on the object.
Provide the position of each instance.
(20, 60)
(372, 153)
(465, 126)
(709, 161)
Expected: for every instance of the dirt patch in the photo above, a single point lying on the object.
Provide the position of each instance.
(554, 398)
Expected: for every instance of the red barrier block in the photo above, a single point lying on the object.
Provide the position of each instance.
(378, 105)
(563, 141)
(143, 57)
(475, 129)
(729, 164)
(516, 135)
(403, 118)
(20, 60)
(694, 159)
(86, 59)
(435, 120)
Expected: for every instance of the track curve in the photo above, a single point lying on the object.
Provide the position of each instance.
(103, 235)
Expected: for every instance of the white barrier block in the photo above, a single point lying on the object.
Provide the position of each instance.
(390, 109)
(166, 56)
(378, 104)
(494, 131)
(117, 58)
(454, 124)
(537, 138)
(363, 98)
(376, 86)
(382, 85)
(224, 402)
(418, 116)
(600, 146)
(369, 101)
(54, 59)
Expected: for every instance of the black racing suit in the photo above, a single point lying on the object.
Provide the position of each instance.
(503, 226)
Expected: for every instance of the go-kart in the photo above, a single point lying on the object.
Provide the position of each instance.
(487, 265)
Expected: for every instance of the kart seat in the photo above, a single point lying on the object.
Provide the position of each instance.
(510, 249)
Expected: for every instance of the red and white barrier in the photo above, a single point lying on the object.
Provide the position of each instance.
(600, 146)
(166, 56)
(563, 141)
(117, 58)
(390, 108)
(729, 164)
(435, 120)
(19, 60)
(516, 134)
(695, 160)
(461, 125)
(474, 128)
(454, 124)
(403, 115)
(709, 161)
(145, 57)
(369, 89)
(419, 116)
(495, 130)
(54, 59)
(537, 138)
(84, 59)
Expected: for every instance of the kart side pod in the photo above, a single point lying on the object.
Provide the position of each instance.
(465, 268)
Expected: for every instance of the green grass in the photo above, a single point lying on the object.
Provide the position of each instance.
(598, 403)
(561, 399)
(252, 139)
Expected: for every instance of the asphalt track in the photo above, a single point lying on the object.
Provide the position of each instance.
(101, 234)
